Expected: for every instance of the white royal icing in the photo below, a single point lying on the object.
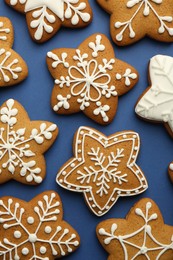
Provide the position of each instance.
(103, 169)
(171, 166)
(141, 248)
(157, 103)
(148, 7)
(16, 148)
(3, 32)
(46, 210)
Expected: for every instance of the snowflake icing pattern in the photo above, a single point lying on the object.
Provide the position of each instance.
(35, 230)
(138, 243)
(17, 153)
(89, 82)
(96, 169)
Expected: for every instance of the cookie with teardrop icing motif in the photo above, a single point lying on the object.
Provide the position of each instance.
(13, 68)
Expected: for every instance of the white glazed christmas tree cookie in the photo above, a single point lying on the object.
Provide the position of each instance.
(142, 235)
(89, 79)
(103, 168)
(22, 144)
(131, 20)
(45, 17)
(13, 69)
(35, 230)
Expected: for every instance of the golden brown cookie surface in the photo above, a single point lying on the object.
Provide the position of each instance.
(45, 17)
(103, 168)
(22, 144)
(35, 229)
(131, 20)
(89, 79)
(142, 235)
(13, 68)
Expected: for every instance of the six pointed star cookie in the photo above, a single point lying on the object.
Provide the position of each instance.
(45, 17)
(22, 144)
(103, 168)
(89, 79)
(13, 69)
(142, 235)
(131, 20)
(156, 103)
(35, 230)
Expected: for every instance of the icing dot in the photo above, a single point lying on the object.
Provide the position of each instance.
(64, 173)
(93, 205)
(72, 165)
(80, 159)
(82, 132)
(115, 139)
(30, 220)
(113, 199)
(48, 230)
(32, 238)
(61, 180)
(43, 250)
(134, 136)
(119, 192)
(124, 136)
(100, 212)
(90, 199)
(137, 172)
(25, 251)
(171, 166)
(17, 234)
(77, 188)
(69, 186)
(136, 148)
(79, 151)
(107, 207)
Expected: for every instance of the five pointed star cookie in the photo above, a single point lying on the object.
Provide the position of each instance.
(89, 79)
(103, 168)
(13, 69)
(35, 230)
(131, 20)
(22, 144)
(45, 17)
(142, 235)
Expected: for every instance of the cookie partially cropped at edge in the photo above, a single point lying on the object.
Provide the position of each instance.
(131, 20)
(35, 229)
(44, 18)
(141, 235)
(22, 144)
(13, 68)
(89, 79)
(103, 168)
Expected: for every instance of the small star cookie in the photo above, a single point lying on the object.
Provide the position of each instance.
(131, 20)
(103, 168)
(44, 18)
(89, 79)
(142, 235)
(35, 230)
(13, 68)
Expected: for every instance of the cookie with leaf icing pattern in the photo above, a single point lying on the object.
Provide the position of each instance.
(35, 230)
(141, 235)
(131, 20)
(22, 144)
(13, 68)
(103, 168)
(45, 17)
(89, 79)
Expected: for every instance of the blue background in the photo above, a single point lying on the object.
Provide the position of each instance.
(34, 94)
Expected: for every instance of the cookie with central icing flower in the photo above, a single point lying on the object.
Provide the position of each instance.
(131, 20)
(22, 144)
(45, 17)
(89, 79)
(103, 168)
(35, 230)
(142, 235)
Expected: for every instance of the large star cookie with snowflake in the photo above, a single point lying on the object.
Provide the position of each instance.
(142, 235)
(35, 230)
(89, 79)
(131, 20)
(156, 103)
(13, 68)
(103, 168)
(45, 17)
(22, 144)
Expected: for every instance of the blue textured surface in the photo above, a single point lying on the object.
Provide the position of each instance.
(34, 93)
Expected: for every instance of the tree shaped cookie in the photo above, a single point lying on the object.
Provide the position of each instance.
(89, 79)
(45, 17)
(35, 230)
(22, 144)
(156, 103)
(131, 20)
(13, 69)
(103, 168)
(142, 235)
